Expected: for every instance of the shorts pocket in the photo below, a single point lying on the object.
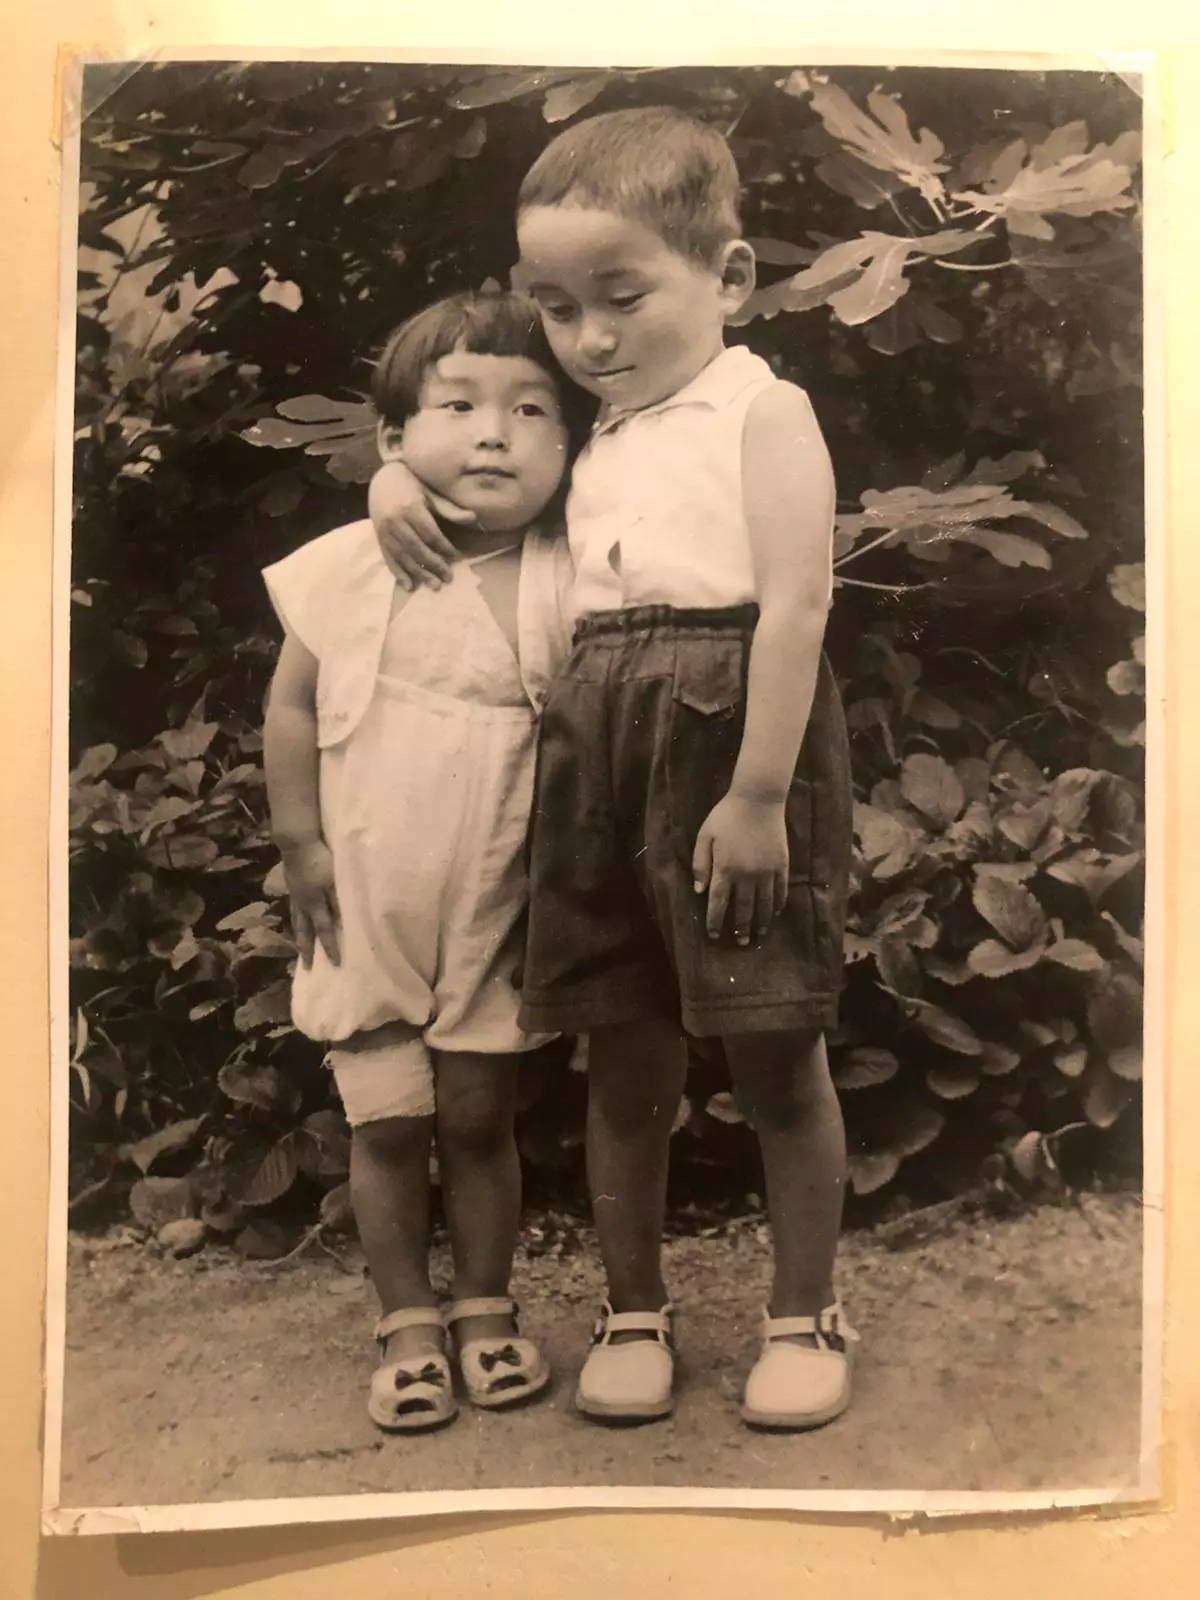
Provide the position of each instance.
(710, 676)
(707, 716)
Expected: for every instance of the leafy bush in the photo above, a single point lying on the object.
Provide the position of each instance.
(964, 309)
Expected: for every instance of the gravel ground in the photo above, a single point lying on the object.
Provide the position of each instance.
(995, 1355)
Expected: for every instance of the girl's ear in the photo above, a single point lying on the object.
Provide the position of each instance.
(390, 440)
(738, 276)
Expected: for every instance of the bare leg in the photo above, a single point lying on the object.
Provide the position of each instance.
(481, 1177)
(636, 1073)
(785, 1092)
(389, 1188)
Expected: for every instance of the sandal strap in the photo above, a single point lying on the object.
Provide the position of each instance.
(481, 1306)
(657, 1322)
(410, 1317)
(831, 1321)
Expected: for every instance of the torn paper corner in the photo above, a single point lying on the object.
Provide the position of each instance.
(1132, 70)
(89, 77)
(96, 1519)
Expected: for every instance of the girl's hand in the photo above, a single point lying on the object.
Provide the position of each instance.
(741, 858)
(414, 547)
(308, 870)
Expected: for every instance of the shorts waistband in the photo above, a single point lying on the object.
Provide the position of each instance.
(645, 619)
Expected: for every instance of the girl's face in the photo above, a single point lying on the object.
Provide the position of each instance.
(629, 318)
(488, 434)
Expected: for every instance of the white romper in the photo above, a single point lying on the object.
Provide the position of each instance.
(427, 726)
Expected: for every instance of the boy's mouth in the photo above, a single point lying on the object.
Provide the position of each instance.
(608, 374)
(494, 473)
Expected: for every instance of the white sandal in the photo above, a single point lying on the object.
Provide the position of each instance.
(499, 1369)
(416, 1392)
(801, 1386)
(632, 1381)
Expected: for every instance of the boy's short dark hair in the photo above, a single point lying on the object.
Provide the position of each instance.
(655, 165)
(483, 322)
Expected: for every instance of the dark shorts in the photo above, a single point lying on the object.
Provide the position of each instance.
(638, 744)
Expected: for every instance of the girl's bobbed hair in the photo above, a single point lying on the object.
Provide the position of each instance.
(482, 322)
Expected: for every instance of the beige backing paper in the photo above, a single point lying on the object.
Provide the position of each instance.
(521, 1553)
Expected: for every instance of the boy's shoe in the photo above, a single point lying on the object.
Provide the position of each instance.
(416, 1392)
(631, 1381)
(801, 1385)
(502, 1369)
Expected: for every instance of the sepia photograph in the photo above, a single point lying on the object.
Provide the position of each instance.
(605, 911)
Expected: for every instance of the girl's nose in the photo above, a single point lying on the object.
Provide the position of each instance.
(492, 431)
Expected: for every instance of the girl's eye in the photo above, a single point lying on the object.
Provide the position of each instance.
(626, 302)
(530, 408)
(460, 406)
(558, 313)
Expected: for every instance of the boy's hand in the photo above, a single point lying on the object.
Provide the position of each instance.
(741, 858)
(315, 916)
(414, 547)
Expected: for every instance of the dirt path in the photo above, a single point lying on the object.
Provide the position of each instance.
(995, 1356)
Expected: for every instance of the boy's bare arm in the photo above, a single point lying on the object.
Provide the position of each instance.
(741, 853)
(291, 761)
(414, 547)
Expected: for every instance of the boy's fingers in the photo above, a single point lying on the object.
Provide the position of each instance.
(702, 862)
(764, 906)
(718, 903)
(780, 892)
(394, 567)
(434, 549)
(417, 548)
(743, 910)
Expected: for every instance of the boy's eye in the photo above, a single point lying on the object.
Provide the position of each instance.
(530, 408)
(626, 302)
(461, 406)
(561, 313)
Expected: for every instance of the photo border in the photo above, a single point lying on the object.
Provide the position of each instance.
(1141, 70)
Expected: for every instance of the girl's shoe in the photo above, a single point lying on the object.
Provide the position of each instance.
(416, 1392)
(631, 1381)
(801, 1386)
(500, 1369)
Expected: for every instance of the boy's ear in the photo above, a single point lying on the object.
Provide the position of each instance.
(738, 275)
(390, 440)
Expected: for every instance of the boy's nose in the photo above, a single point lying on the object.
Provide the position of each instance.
(597, 339)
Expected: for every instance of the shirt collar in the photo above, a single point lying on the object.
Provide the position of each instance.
(714, 386)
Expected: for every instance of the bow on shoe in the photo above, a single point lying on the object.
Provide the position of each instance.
(507, 1355)
(431, 1372)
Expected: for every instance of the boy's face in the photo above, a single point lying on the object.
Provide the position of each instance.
(629, 319)
(488, 435)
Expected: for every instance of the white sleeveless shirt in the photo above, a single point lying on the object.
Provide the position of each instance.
(656, 513)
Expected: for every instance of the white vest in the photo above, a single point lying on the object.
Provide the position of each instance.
(336, 593)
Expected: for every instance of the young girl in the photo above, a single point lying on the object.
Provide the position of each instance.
(399, 749)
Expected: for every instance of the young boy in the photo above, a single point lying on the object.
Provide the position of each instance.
(691, 834)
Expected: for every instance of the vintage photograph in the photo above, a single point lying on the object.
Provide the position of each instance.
(601, 920)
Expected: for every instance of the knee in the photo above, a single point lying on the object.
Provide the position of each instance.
(635, 1078)
(780, 1083)
(473, 1124)
(394, 1141)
